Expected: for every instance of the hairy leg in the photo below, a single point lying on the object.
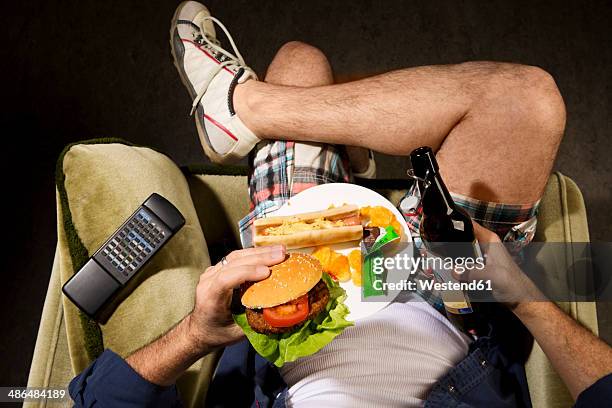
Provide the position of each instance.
(302, 65)
(496, 127)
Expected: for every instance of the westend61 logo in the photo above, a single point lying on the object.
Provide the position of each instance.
(443, 267)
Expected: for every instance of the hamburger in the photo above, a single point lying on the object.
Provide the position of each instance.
(293, 294)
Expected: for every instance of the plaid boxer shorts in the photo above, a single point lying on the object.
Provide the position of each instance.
(281, 169)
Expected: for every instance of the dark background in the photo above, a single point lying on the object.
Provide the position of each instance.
(78, 70)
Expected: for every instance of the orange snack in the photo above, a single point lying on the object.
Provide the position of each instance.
(333, 263)
(339, 267)
(381, 217)
(355, 262)
(323, 254)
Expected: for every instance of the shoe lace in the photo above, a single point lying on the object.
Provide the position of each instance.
(227, 57)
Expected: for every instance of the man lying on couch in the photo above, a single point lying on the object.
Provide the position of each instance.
(496, 129)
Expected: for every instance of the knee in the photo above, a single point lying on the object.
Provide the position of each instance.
(532, 97)
(300, 64)
(542, 98)
(302, 53)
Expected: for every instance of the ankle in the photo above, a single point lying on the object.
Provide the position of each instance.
(244, 105)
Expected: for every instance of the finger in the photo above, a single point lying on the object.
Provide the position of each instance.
(232, 277)
(209, 271)
(241, 253)
(483, 234)
(462, 274)
(213, 268)
(266, 258)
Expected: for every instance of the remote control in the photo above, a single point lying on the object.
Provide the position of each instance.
(123, 255)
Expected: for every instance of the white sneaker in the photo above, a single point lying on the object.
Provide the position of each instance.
(211, 74)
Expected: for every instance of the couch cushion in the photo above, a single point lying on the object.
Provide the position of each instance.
(562, 218)
(100, 184)
(221, 200)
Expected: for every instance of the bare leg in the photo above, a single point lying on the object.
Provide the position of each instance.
(496, 127)
(302, 65)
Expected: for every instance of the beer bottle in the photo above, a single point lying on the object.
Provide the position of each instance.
(447, 232)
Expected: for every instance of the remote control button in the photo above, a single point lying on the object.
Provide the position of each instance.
(147, 250)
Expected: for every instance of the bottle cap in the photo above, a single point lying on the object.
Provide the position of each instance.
(423, 161)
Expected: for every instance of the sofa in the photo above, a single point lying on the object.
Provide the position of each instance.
(100, 182)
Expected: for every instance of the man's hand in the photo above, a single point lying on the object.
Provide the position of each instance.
(509, 284)
(211, 324)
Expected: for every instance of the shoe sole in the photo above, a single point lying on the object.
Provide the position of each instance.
(210, 152)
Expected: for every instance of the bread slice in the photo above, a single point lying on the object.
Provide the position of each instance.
(287, 281)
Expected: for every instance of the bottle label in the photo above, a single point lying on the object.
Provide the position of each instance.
(455, 301)
(458, 307)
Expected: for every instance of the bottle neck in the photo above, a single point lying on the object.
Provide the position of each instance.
(436, 199)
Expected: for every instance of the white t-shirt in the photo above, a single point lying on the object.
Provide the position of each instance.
(390, 359)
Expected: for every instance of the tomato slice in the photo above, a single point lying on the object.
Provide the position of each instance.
(288, 314)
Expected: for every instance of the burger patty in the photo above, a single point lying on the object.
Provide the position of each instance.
(317, 300)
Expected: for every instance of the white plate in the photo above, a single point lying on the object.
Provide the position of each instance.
(322, 197)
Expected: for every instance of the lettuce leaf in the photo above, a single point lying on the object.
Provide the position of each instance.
(311, 337)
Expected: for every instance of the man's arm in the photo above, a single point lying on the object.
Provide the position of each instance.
(210, 325)
(579, 357)
(145, 376)
(164, 360)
